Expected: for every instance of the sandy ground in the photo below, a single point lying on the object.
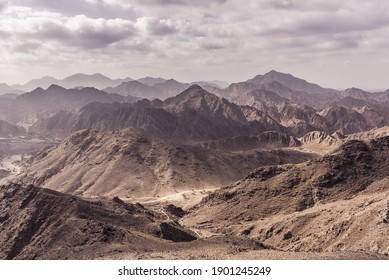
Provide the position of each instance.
(184, 199)
(12, 164)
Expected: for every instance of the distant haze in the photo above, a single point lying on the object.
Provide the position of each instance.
(336, 44)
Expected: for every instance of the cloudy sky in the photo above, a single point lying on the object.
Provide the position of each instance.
(334, 43)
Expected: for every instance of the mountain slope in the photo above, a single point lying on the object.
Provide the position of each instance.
(58, 98)
(288, 81)
(260, 99)
(337, 202)
(8, 90)
(193, 115)
(345, 121)
(136, 88)
(150, 81)
(10, 130)
(132, 163)
(97, 80)
(43, 82)
(38, 223)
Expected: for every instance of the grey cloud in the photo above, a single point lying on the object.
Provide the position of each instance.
(91, 39)
(348, 44)
(310, 44)
(183, 2)
(80, 7)
(85, 36)
(213, 46)
(326, 24)
(52, 31)
(27, 47)
(339, 24)
(159, 27)
(282, 4)
(4, 34)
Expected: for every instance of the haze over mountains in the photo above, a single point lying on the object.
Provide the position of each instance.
(270, 162)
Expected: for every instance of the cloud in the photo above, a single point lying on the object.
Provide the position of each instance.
(181, 2)
(107, 9)
(252, 35)
(156, 26)
(74, 31)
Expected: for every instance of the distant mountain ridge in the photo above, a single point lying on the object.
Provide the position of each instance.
(97, 80)
(193, 115)
(289, 81)
(156, 88)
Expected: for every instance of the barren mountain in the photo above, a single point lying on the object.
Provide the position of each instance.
(383, 96)
(10, 130)
(289, 81)
(42, 224)
(266, 140)
(235, 90)
(154, 88)
(58, 98)
(193, 115)
(8, 111)
(150, 81)
(8, 90)
(97, 80)
(38, 223)
(260, 99)
(132, 163)
(337, 202)
(357, 93)
(345, 121)
(323, 143)
(43, 82)
(319, 137)
(171, 87)
(58, 124)
(376, 113)
(214, 83)
(301, 119)
(296, 90)
(370, 135)
(136, 88)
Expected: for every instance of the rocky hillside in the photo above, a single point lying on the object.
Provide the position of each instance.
(9, 130)
(336, 202)
(132, 163)
(193, 115)
(266, 140)
(38, 223)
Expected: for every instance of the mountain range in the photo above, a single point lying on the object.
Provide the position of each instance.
(270, 167)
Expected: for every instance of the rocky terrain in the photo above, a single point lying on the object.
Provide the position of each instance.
(42, 224)
(338, 202)
(274, 167)
(193, 115)
(131, 163)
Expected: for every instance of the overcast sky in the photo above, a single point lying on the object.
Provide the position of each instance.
(330, 42)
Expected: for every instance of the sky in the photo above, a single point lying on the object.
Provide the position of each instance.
(338, 44)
